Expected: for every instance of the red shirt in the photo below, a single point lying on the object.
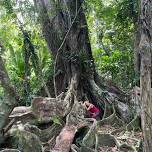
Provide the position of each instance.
(94, 110)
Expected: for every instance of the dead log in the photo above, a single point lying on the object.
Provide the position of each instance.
(65, 139)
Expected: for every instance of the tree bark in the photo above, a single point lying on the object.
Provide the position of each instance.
(137, 58)
(66, 34)
(11, 98)
(65, 29)
(65, 139)
(145, 72)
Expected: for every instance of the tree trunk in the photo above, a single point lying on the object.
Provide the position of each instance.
(145, 73)
(137, 58)
(11, 98)
(66, 32)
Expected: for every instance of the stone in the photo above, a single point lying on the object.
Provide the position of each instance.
(106, 140)
(26, 141)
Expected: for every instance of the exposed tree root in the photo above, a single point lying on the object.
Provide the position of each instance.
(134, 124)
(65, 139)
(10, 150)
(112, 120)
(46, 134)
(26, 120)
(74, 148)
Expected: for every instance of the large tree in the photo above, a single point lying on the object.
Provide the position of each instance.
(145, 72)
(66, 32)
(65, 29)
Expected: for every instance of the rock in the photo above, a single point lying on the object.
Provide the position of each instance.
(26, 141)
(45, 134)
(106, 140)
(44, 109)
(126, 148)
(19, 111)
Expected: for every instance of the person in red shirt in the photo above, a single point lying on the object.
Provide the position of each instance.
(93, 111)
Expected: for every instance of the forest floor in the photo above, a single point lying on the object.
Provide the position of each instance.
(131, 138)
(39, 126)
(128, 139)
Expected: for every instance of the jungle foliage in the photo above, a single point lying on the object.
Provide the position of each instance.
(111, 26)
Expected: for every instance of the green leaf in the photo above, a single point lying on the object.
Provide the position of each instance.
(56, 120)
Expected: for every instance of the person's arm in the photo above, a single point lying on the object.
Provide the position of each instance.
(85, 106)
(90, 106)
(93, 115)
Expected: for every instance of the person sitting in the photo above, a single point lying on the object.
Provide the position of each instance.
(93, 111)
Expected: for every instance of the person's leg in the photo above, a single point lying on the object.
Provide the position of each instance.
(97, 117)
